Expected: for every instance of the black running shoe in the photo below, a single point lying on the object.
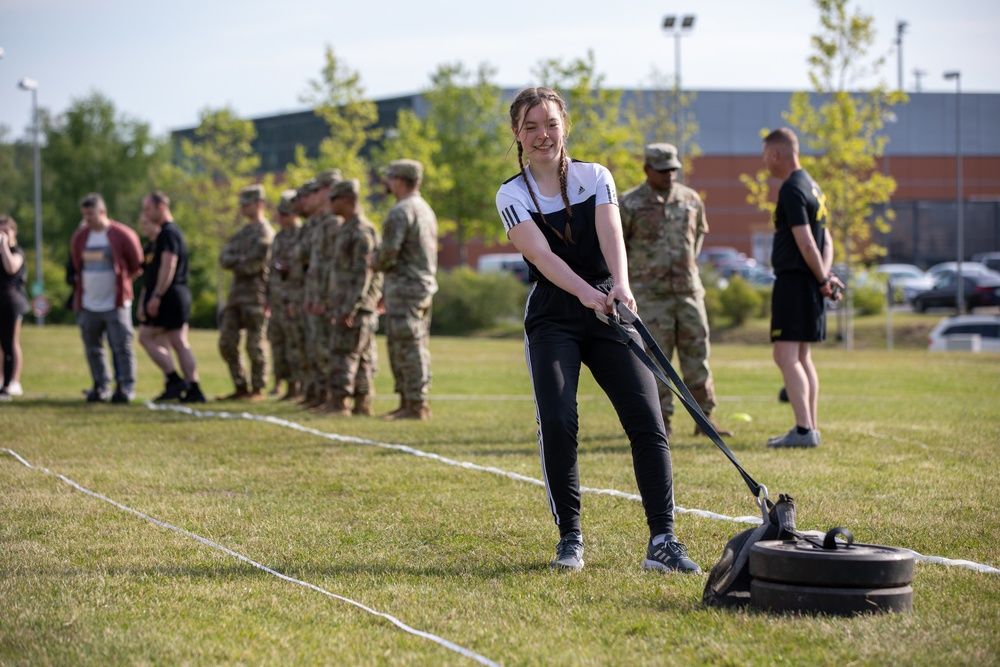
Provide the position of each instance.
(669, 556)
(569, 553)
(172, 390)
(193, 395)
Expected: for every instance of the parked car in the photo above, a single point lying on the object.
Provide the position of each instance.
(720, 256)
(755, 275)
(980, 290)
(968, 268)
(906, 277)
(991, 260)
(512, 262)
(986, 326)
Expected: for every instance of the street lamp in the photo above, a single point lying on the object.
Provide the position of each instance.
(39, 286)
(685, 26)
(900, 29)
(957, 76)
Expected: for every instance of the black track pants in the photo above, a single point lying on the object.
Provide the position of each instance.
(560, 335)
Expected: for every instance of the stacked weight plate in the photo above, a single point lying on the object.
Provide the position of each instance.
(830, 577)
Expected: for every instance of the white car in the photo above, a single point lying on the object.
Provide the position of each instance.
(986, 326)
(968, 269)
(908, 278)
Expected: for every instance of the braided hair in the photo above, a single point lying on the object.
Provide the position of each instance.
(525, 100)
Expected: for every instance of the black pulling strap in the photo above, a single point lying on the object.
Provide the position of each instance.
(615, 319)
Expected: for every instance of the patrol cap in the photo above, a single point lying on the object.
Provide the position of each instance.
(308, 187)
(662, 156)
(350, 186)
(411, 170)
(286, 205)
(252, 194)
(327, 178)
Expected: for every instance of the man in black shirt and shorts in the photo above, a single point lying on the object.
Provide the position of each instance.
(802, 257)
(166, 304)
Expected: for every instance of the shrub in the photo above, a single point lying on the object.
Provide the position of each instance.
(869, 299)
(468, 301)
(764, 312)
(740, 300)
(713, 304)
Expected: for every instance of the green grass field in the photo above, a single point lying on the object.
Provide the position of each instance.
(911, 443)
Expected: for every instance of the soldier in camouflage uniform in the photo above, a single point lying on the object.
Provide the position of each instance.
(305, 206)
(247, 254)
(664, 226)
(286, 330)
(322, 235)
(408, 258)
(352, 296)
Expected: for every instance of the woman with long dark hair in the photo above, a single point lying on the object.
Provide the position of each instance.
(13, 305)
(562, 215)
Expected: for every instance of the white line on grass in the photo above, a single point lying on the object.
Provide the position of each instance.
(392, 619)
(939, 560)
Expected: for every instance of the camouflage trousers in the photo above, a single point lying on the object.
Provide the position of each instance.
(317, 351)
(234, 320)
(678, 322)
(407, 327)
(287, 335)
(353, 357)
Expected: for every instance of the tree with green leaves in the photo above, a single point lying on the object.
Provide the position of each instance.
(338, 97)
(658, 111)
(840, 131)
(466, 114)
(602, 131)
(92, 148)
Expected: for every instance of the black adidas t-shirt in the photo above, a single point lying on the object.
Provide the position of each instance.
(800, 202)
(588, 185)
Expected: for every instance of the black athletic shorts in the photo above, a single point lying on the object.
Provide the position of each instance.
(175, 308)
(798, 312)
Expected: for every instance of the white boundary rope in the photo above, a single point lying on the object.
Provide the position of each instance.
(451, 646)
(937, 560)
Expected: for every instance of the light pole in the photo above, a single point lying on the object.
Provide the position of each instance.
(960, 296)
(39, 287)
(685, 26)
(900, 29)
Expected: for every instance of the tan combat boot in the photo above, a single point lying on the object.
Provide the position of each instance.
(416, 410)
(403, 405)
(322, 396)
(363, 405)
(721, 431)
(336, 406)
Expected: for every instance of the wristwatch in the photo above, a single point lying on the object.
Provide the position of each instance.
(157, 295)
(824, 281)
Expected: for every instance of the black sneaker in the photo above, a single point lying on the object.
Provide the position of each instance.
(569, 553)
(172, 390)
(669, 556)
(120, 397)
(96, 395)
(193, 395)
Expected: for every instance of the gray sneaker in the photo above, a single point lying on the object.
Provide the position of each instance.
(795, 439)
(669, 556)
(569, 553)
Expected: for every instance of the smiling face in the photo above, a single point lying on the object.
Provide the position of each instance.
(540, 132)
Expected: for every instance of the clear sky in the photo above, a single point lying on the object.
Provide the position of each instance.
(164, 62)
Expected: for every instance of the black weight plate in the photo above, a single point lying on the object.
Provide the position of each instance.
(839, 601)
(857, 566)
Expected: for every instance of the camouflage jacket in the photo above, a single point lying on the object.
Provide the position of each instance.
(320, 241)
(408, 255)
(285, 284)
(247, 254)
(663, 237)
(353, 285)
